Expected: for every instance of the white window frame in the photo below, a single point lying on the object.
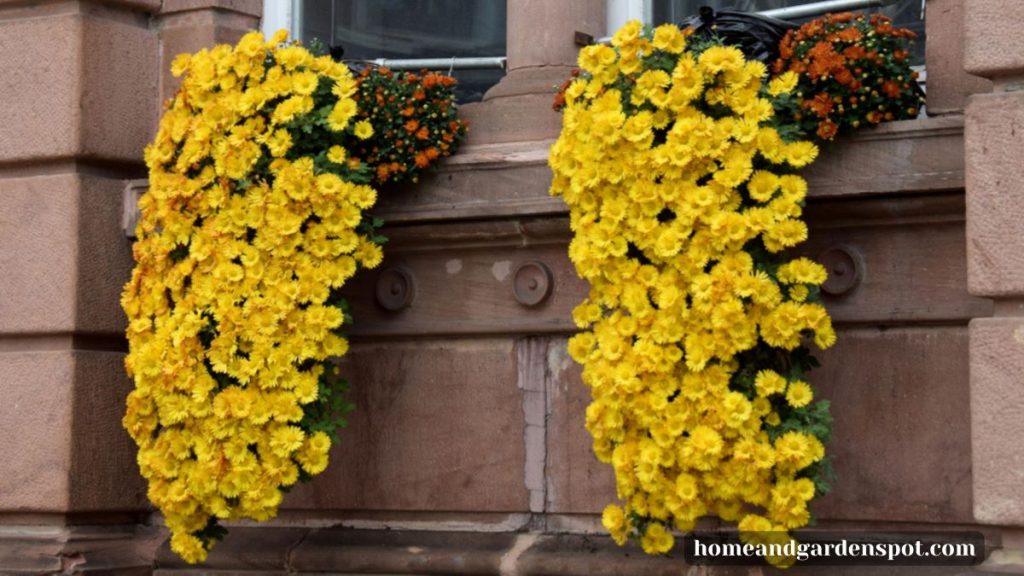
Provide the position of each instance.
(618, 12)
(278, 14)
(287, 14)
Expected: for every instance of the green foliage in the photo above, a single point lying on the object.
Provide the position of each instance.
(414, 122)
(212, 533)
(854, 70)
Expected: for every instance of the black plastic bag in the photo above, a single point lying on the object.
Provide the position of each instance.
(756, 36)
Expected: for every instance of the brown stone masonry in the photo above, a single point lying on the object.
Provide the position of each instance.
(467, 453)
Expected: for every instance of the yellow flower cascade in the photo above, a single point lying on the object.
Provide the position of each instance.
(682, 194)
(251, 222)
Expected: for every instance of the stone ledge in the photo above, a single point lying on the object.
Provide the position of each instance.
(923, 155)
(252, 551)
(343, 551)
(512, 179)
(912, 250)
(121, 550)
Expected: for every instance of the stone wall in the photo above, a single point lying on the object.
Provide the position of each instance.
(77, 107)
(466, 453)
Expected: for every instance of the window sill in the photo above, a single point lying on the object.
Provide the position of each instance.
(491, 181)
(512, 179)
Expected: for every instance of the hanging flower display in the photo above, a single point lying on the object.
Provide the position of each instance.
(854, 70)
(254, 219)
(683, 195)
(413, 120)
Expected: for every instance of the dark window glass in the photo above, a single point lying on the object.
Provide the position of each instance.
(371, 29)
(905, 14)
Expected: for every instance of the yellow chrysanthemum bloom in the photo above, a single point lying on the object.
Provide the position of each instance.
(799, 394)
(363, 129)
(680, 196)
(232, 306)
(783, 84)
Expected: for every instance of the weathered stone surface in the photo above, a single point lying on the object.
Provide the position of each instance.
(995, 194)
(73, 87)
(539, 58)
(579, 555)
(948, 84)
(912, 258)
(64, 446)
(104, 475)
(100, 550)
(187, 26)
(911, 156)
(35, 423)
(522, 118)
(104, 259)
(247, 7)
(38, 230)
(577, 482)
(480, 181)
(354, 552)
(248, 548)
(532, 368)
(912, 251)
(462, 288)
(271, 550)
(997, 419)
(65, 257)
(118, 89)
(40, 102)
(550, 44)
(901, 445)
(993, 44)
(438, 425)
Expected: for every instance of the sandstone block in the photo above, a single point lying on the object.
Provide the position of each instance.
(993, 44)
(948, 84)
(65, 256)
(901, 439)
(995, 194)
(438, 425)
(77, 85)
(997, 419)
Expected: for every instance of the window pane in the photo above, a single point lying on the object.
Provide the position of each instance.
(905, 14)
(370, 29)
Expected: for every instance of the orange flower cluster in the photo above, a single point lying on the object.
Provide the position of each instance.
(413, 118)
(853, 70)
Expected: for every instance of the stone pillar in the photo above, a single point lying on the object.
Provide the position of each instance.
(994, 142)
(541, 54)
(82, 85)
(79, 84)
(948, 84)
(191, 25)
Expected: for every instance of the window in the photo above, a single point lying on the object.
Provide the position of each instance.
(411, 29)
(905, 14)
